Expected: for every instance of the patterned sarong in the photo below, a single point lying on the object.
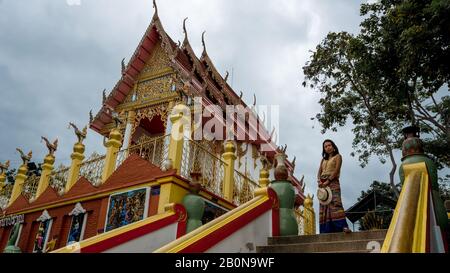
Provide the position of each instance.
(332, 216)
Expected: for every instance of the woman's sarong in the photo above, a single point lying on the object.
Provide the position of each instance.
(332, 216)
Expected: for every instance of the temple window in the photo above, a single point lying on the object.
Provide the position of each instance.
(78, 224)
(12, 234)
(147, 129)
(45, 225)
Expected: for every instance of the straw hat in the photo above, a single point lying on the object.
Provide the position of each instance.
(324, 195)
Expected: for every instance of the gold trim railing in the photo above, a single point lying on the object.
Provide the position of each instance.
(5, 194)
(154, 150)
(92, 169)
(244, 188)
(409, 226)
(300, 221)
(58, 179)
(197, 158)
(30, 186)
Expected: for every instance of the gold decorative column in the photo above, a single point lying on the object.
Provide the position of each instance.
(112, 148)
(74, 171)
(47, 169)
(18, 184)
(77, 156)
(179, 119)
(309, 216)
(229, 156)
(21, 176)
(264, 177)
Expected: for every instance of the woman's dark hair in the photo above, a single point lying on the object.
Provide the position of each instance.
(324, 154)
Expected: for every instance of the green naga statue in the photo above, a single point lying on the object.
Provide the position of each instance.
(10, 247)
(413, 152)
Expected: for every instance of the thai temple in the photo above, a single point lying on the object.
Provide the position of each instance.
(159, 186)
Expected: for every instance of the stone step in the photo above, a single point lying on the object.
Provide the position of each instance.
(333, 246)
(329, 237)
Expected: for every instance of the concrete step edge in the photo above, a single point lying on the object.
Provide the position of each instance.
(325, 237)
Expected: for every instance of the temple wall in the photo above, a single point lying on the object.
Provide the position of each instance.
(248, 237)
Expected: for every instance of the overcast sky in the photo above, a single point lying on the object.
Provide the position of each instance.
(56, 57)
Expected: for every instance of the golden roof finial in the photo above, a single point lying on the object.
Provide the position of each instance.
(81, 135)
(52, 147)
(155, 7)
(184, 30)
(4, 167)
(25, 158)
(203, 41)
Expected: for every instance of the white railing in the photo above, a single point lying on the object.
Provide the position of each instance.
(244, 188)
(58, 179)
(92, 169)
(5, 194)
(154, 150)
(30, 186)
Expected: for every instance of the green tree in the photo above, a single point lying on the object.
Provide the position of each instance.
(10, 175)
(382, 214)
(392, 74)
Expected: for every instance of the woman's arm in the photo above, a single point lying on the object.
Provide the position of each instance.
(320, 171)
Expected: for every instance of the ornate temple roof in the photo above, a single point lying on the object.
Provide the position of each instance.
(199, 74)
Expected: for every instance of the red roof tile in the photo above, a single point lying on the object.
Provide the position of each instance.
(20, 203)
(81, 187)
(134, 170)
(48, 196)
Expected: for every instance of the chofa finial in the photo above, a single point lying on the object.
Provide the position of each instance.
(25, 158)
(52, 147)
(203, 41)
(155, 7)
(184, 28)
(81, 134)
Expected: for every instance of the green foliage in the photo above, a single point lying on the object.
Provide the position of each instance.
(444, 187)
(394, 73)
(10, 175)
(381, 217)
(380, 187)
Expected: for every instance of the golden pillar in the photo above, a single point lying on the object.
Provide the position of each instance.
(2, 181)
(47, 169)
(112, 148)
(18, 184)
(264, 177)
(74, 171)
(3, 169)
(309, 216)
(229, 156)
(179, 118)
(172, 191)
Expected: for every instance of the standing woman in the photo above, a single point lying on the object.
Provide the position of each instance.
(331, 215)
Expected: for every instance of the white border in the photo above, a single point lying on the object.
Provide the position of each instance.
(18, 236)
(147, 203)
(46, 235)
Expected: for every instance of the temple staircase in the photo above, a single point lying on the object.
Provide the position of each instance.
(354, 242)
